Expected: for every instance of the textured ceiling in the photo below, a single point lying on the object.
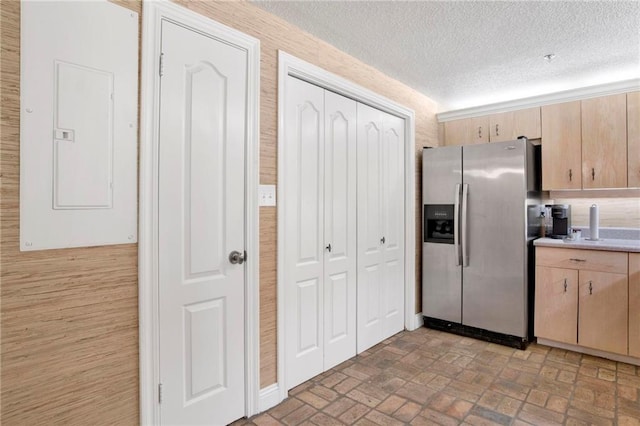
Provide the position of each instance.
(468, 53)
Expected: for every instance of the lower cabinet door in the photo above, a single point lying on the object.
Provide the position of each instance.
(604, 309)
(556, 309)
(634, 304)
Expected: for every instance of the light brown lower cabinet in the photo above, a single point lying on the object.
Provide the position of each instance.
(634, 304)
(603, 311)
(588, 298)
(556, 306)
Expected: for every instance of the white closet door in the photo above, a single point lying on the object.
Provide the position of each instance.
(370, 227)
(380, 226)
(393, 214)
(303, 234)
(339, 230)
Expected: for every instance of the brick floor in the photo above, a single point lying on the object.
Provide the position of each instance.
(426, 377)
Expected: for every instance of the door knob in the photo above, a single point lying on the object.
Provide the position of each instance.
(237, 257)
(328, 247)
(383, 240)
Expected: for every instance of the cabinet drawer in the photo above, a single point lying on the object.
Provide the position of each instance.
(589, 260)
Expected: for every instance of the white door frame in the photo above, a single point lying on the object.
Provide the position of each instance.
(289, 65)
(153, 14)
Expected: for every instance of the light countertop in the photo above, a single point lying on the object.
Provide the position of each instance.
(610, 244)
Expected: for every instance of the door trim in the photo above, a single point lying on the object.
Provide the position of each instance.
(289, 65)
(153, 13)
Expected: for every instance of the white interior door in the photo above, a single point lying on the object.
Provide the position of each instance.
(380, 226)
(303, 234)
(339, 229)
(201, 220)
(393, 225)
(370, 227)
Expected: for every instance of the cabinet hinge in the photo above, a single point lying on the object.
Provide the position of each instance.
(160, 393)
(161, 67)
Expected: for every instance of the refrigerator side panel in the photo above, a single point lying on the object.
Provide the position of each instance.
(441, 278)
(494, 280)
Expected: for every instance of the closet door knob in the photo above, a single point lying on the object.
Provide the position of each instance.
(382, 240)
(328, 247)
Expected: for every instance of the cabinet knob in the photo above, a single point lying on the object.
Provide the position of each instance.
(593, 174)
(590, 288)
(565, 285)
(497, 131)
(570, 175)
(479, 132)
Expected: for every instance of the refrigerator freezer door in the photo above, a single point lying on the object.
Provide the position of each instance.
(441, 278)
(494, 280)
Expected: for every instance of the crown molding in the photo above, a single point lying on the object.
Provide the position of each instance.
(547, 99)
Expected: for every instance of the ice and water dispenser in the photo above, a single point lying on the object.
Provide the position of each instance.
(439, 223)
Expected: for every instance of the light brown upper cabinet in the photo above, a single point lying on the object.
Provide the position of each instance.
(467, 131)
(633, 138)
(604, 142)
(507, 126)
(561, 146)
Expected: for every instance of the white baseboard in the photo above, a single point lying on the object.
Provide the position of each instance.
(418, 321)
(269, 397)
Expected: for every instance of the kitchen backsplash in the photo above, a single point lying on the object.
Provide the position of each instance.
(614, 212)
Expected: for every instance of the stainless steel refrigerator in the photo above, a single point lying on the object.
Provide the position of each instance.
(479, 220)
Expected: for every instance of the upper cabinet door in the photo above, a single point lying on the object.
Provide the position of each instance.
(561, 146)
(604, 142)
(633, 141)
(467, 131)
(507, 126)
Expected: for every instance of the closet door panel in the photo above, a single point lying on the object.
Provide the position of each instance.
(393, 226)
(370, 247)
(303, 233)
(339, 230)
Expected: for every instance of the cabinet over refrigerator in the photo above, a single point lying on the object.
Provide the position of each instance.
(480, 210)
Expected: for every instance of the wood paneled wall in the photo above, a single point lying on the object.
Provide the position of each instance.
(69, 317)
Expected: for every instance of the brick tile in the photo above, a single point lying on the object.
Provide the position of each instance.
(627, 392)
(312, 399)
(538, 397)
(339, 406)
(592, 409)
(300, 415)
(549, 372)
(459, 409)
(333, 379)
(382, 419)
(490, 399)
(628, 421)
(567, 376)
(509, 406)
(322, 419)
(511, 389)
(475, 420)
(265, 420)
(424, 377)
(391, 404)
(346, 385)
(430, 416)
(358, 395)
(393, 384)
(557, 403)
(373, 391)
(354, 413)
(441, 402)
(538, 415)
(606, 374)
(415, 392)
(284, 408)
(439, 382)
(407, 412)
(493, 416)
(588, 418)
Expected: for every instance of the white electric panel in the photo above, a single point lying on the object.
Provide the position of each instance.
(78, 124)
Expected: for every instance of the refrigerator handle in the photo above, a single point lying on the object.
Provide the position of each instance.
(456, 228)
(463, 225)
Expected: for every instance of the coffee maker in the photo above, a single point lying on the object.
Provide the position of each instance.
(561, 220)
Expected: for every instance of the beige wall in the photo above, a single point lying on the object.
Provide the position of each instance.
(69, 317)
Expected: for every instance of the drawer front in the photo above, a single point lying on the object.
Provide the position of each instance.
(588, 260)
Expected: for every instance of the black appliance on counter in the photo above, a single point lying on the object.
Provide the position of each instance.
(561, 220)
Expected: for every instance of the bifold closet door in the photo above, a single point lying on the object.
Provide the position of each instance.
(320, 230)
(339, 230)
(380, 289)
